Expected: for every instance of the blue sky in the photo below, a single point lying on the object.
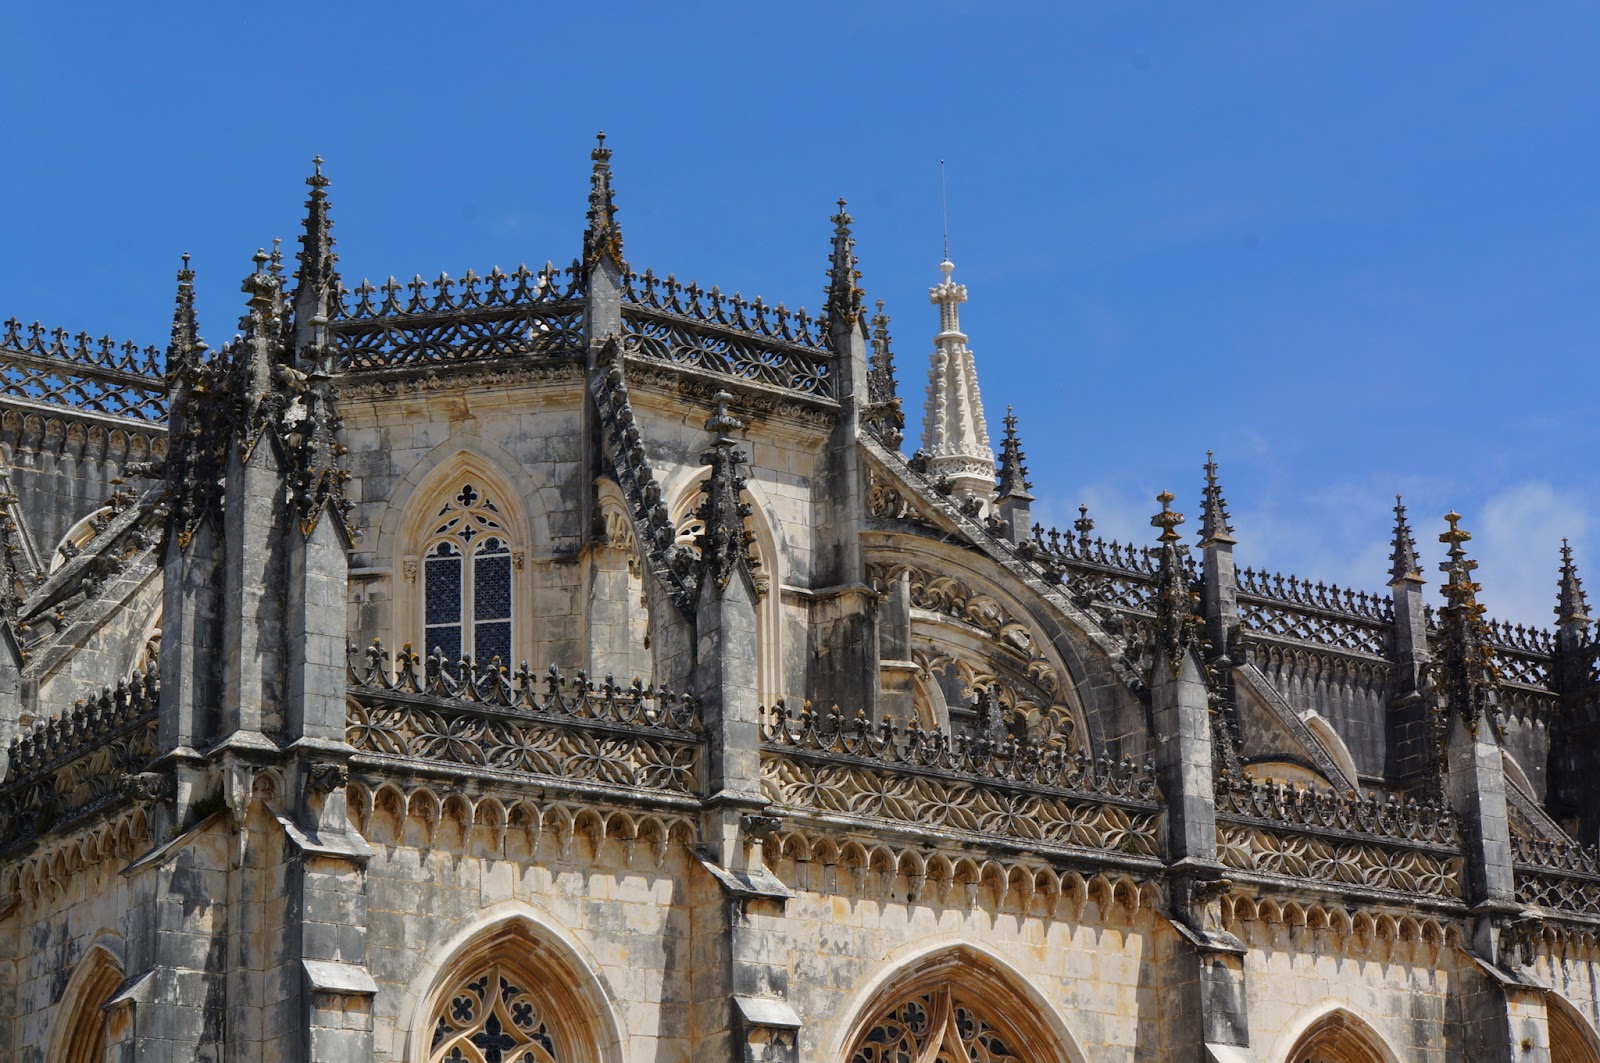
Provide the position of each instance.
(1348, 246)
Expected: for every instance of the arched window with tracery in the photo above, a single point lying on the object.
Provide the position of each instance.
(467, 593)
(516, 996)
(494, 1016)
(937, 1025)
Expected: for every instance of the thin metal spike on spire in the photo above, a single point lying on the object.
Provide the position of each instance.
(1215, 526)
(1406, 567)
(844, 293)
(1572, 605)
(602, 240)
(1013, 464)
(944, 209)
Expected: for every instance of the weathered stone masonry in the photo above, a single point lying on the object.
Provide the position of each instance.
(826, 754)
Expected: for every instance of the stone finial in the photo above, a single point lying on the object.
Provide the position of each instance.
(844, 294)
(1084, 526)
(1214, 518)
(1572, 605)
(186, 346)
(884, 415)
(1406, 567)
(724, 541)
(603, 238)
(316, 257)
(1013, 468)
(955, 436)
(1469, 678)
(263, 289)
(1177, 626)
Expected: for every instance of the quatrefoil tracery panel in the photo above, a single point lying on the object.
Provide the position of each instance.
(492, 1018)
(934, 1027)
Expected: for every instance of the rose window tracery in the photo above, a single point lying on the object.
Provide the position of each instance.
(493, 1017)
(935, 1027)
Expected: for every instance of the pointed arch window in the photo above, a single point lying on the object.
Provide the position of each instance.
(494, 1016)
(939, 1026)
(467, 586)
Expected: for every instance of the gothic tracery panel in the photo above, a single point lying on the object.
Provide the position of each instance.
(938, 1026)
(493, 1016)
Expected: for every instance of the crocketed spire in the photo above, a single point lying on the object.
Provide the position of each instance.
(1214, 523)
(1013, 468)
(1572, 605)
(1177, 626)
(1469, 677)
(186, 347)
(844, 294)
(1406, 567)
(954, 435)
(725, 542)
(316, 257)
(603, 238)
(884, 415)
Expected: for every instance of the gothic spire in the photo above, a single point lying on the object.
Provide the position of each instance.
(844, 294)
(724, 541)
(884, 415)
(1214, 518)
(1406, 567)
(1177, 626)
(603, 238)
(955, 437)
(1572, 605)
(316, 273)
(1470, 678)
(186, 346)
(1013, 468)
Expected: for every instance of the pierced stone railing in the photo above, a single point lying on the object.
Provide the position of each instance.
(86, 374)
(1340, 842)
(969, 787)
(1556, 874)
(710, 306)
(448, 320)
(488, 718)
(71, 767)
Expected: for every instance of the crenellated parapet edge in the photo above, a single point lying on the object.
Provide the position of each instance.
(75, 767)
(51, 367)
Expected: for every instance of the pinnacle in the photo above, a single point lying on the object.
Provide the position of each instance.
(844, 294)
(1013, 468)
(603, 238)
(1167, 520)
(1215, 526)
(1406, 567)
(1572, 605)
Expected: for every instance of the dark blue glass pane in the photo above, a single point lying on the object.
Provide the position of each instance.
(491, 587)
(442, 590)
(448, 641)
(493, 640)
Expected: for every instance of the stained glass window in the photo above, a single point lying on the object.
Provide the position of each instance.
(935, 1026)
(467, 586)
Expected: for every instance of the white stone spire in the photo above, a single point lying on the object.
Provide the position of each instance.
(954, 435)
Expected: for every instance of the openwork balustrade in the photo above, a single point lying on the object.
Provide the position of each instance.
(522, 723)
(827, 764)
(704, 329)
(1340, 841)
(1554, 874)
(77, 764)
(50, 366)
(519, 314)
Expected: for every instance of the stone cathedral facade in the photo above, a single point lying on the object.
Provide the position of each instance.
(573, 666)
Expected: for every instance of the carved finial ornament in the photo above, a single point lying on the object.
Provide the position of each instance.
(1177, 625)
(1215, 526)
(724, 541)
(1013, 464)
(844, 294)
(1572, 605)
(955, 435)
(1406, 567)
(603, 238)
(1469, 678)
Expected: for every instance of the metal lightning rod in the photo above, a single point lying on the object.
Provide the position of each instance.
(944, 209)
